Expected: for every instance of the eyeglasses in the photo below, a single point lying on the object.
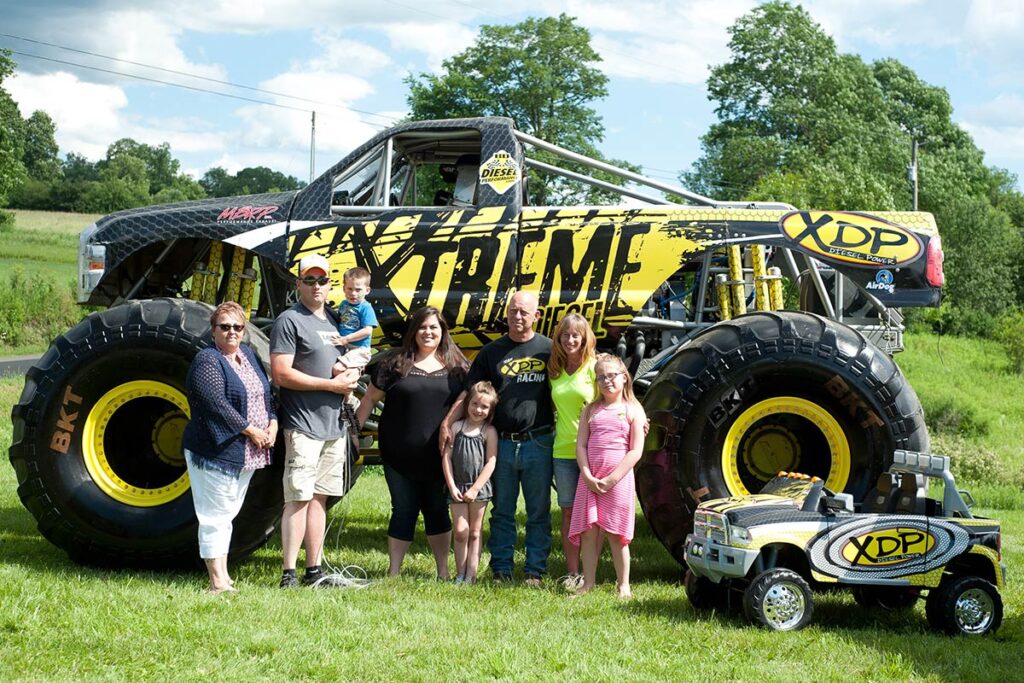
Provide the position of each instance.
(309, 280)
(610, 377)
(227, 327)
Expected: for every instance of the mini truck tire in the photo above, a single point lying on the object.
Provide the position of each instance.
(779, 599)
(766, 392)
(97, 440)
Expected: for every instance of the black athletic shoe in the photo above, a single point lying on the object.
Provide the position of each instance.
(288, 581)
(310, 578)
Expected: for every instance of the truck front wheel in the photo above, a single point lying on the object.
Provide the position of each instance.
(97, 439)
(779, 599)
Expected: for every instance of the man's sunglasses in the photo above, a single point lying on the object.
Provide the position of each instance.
(309, 280)
(227, 327)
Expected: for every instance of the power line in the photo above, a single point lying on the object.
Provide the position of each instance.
(186, 74)
(157, 80)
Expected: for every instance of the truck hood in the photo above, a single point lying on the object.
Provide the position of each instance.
(125, 232)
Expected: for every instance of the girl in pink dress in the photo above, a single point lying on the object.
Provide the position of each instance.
(609, 444)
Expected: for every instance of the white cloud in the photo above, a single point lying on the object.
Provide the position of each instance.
(436, 40)
(89, 116)
(338, 52)
(659, 42)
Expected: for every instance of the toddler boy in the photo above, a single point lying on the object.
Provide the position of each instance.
(355, 328)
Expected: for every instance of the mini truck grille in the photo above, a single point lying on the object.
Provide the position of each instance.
(711, 525)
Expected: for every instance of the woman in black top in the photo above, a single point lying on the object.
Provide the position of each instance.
(421, 380)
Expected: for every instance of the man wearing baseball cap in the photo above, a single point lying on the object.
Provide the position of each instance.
(301, 357)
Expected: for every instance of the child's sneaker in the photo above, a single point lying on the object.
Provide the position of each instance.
(571, 582)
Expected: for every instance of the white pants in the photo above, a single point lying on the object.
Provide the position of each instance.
(218, 498)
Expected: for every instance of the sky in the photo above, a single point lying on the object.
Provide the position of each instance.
(347, 61)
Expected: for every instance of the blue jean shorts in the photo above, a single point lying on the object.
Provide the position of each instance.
(567, 476)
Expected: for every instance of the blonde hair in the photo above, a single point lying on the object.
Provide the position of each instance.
(357, 274)
(627, 389)
(480, 389)
(574, 322)
(228, 308)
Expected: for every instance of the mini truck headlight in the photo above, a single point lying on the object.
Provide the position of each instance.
(739, 534)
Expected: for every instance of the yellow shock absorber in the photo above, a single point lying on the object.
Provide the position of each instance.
(198, 282)
(722, 287)
(235, 275)
(248, 290)
(760, 281)
(213, 266)
(775, 288)
(739, 298)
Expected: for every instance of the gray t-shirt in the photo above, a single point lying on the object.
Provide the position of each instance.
(314, 413)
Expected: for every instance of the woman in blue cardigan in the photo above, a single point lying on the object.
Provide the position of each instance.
(230, 435)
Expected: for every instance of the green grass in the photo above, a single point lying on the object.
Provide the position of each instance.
(61, 621)
(43, 241)
(971, 374)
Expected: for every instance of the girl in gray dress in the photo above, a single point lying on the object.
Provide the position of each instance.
(468, 464)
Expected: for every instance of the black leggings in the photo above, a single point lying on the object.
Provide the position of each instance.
(410, 497)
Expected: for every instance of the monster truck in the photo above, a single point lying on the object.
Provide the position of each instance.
(771, 548)
(439, 213)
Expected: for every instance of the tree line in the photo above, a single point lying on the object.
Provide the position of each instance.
(33, 176)
(797, 122)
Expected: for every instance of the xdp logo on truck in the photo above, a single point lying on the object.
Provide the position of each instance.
(848, 237)
(887, 546)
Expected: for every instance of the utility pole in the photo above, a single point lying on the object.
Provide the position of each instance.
(912, 170)
(312, 151)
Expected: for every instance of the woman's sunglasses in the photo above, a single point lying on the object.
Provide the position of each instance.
(227, 327)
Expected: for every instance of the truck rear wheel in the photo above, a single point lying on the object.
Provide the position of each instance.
(767, 392)
(97, 439)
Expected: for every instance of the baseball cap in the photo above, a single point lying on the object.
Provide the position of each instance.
(311, 261)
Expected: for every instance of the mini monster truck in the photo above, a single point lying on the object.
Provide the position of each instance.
(774, 546)
(440, 213)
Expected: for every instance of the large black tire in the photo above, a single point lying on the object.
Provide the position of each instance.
(97, 440)
(767, 392)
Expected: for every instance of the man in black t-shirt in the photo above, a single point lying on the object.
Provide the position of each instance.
(516, 364)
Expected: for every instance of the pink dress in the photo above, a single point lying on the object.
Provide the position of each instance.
(615, 510)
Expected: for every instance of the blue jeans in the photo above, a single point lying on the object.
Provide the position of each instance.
(528, 465)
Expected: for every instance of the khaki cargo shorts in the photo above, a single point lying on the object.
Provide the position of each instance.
(313, 466)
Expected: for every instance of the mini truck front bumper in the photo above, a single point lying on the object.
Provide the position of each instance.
(715, 560)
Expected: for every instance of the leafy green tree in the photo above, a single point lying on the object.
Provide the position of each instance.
(41, 152)
(251, 180)
(12, 134)
(801, 123)
(217, 182)
(542, 73)
(161, 168)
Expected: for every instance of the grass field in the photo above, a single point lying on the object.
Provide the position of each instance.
(43, 241)
(61, 621)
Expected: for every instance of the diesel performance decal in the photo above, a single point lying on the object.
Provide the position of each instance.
(247, 214)
(500, 172)
(847, 237)
(898, 546)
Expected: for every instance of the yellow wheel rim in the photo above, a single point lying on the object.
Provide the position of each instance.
(165, 442)
(760, 446)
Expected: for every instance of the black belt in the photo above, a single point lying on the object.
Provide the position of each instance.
(519, 437)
